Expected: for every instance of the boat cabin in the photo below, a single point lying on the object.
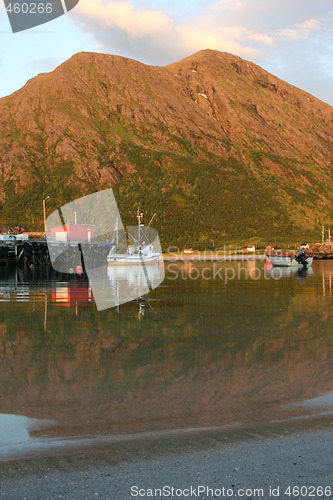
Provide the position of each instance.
(73, 232)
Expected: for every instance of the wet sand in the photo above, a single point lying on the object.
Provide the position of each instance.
(251, 463)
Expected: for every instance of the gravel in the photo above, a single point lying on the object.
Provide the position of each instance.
(260, 466)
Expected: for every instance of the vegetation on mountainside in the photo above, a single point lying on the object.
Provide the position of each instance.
(219, 149)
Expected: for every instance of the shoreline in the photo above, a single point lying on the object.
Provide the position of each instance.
(217, 257)
(290, 453)
(209, 257)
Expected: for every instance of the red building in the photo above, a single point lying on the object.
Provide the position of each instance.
(73, 232)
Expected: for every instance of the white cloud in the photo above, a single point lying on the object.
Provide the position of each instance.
(265, 32)
(262, 38)
(154, 37)
(267, 16)
(312, 24)
(123, 15)
(303, 30)
(196, 39)
(245, 27)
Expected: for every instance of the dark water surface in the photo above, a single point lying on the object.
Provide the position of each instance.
(216, 344)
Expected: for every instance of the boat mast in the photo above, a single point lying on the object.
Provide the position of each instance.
(151, 220)
(139, 217)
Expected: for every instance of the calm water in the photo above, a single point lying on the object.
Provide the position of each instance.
(215, 344)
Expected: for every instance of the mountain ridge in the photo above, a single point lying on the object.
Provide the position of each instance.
(211, 129)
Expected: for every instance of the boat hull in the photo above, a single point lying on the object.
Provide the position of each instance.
(134, 260)
(287, 261)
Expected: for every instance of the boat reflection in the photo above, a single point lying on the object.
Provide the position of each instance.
(107, 286)
(284, 272)
(115, 285)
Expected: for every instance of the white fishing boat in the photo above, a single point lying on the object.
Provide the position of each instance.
(142, 250)
(286, 260)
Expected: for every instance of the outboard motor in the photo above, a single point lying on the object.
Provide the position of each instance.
(301, 258)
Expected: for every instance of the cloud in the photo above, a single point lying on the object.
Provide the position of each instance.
(124, 16)
(269, 16)
(274, 34)
(244, 27)
(303, 30)
(262, 38)
(153, 36)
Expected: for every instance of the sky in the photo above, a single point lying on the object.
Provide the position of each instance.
(292, 39)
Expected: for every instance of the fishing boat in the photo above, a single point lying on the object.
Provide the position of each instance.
(287, 260)
(142, 249)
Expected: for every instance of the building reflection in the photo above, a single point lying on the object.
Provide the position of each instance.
(72, 294)
(326, 271)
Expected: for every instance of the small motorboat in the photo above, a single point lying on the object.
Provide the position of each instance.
(287, 260)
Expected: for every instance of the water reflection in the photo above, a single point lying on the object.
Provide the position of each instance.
(116, 285)
(29, 285)
(197, 353)
(112, 286)
(283, 272)
(72, 294)
(327, 284)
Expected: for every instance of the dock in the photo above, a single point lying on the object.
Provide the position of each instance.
(36, 252)
(24, 252)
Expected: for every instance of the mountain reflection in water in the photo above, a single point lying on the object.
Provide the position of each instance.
(195, 352)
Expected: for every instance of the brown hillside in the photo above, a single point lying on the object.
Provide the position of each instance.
(210, 120)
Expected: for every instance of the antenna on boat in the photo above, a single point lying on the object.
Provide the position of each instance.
(139, 217)
(151, 220)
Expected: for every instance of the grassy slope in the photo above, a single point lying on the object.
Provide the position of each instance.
(252, 191)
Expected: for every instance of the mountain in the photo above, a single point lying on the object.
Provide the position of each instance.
(219, 148)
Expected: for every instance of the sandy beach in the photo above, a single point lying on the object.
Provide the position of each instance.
(285, 461)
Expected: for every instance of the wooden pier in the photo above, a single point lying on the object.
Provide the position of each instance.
(36, 252)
